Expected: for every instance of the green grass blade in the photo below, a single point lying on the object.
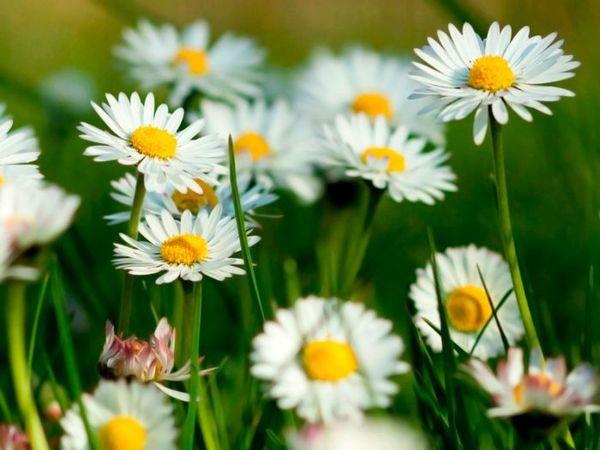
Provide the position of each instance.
(494, 315)
(59, 393)
(66, 343)
(241, 226)
(6, 414)
(590, 301)
(480, 335)
(36, 320)
(456, 347)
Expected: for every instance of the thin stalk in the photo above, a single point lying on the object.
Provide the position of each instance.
(194, 320)
(15, 326)
(132, 231)
(508, 241)
(36, 321)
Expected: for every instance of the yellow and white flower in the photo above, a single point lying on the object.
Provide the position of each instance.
(272, 142)
(372, 434)
(189, 248)
(543, 388)
(18, 150)
(148, 138)
(125, 416)
(466, 73)
(363, 81)
(387, 157)
(329, 360)
(467, 305)
(176, 202)
(186, 61)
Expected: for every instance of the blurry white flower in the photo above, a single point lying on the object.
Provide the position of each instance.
(174, 201)
(388, 158)
(328, 359)
(363, 81)
(467, 305)
(69, 90)
(18, 150)
(188, 248)
(272, 142)
(466, 73)
(542, 388)
(372, 434)
(12, 438)
(125, 416)
(162, 55)
(148, 138)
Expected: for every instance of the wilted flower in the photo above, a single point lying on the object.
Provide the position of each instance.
(148, 361)
(12, 438)
(542, 389)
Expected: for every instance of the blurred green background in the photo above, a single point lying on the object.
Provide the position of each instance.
(552, 163)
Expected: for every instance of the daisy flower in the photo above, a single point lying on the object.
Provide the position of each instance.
(12, 438)
(363, 81)
(18, 150)
(467, 305)
(544, 388)
(374, 434)
(186, 61)
(466, 73)
(328, 359)
(149, 361)
(271, 142)
(389, 158)
(190, 248)
(148, 138)
(176, 202)
(125, 416)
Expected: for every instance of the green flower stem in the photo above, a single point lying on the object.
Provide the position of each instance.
(15, 326)
(193, 321)
(508, 241)
(132, 231)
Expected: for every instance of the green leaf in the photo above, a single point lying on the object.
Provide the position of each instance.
(36, 320)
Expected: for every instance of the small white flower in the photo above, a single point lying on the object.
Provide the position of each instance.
(125, 416)
(272, 142)
(467, 305)
(149, 139)
(328, 359)
(363, 81)
(466, 73)
(161, 55)
(18, 150)
(188, 249)
(372, 434)
(544, 388)
(174, 201)
(389, 158)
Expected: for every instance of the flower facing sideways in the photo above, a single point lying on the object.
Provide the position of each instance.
(543, 388)
(466, 73)
(148, 361)
(328, 359)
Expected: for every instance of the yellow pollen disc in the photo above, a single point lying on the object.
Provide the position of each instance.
(540, 381)
(253, 143)
(373, 105)
(396, 162)
(193, 201)
(329, 360)
(491, 73)
(468, 308)
(122, 433)
(196, 60)
(185, 249)
(154, 142)
(1, 180)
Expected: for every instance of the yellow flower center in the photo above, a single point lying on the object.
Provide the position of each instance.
(185, 249)
(468, 308)
(1, 180)
(491, 73)
(329, 360)
(395, 160)
(122, 433)
(193, 201)
(196, 60)
(373, 105)
(253, 143)
(154, 142)
(540, 381)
